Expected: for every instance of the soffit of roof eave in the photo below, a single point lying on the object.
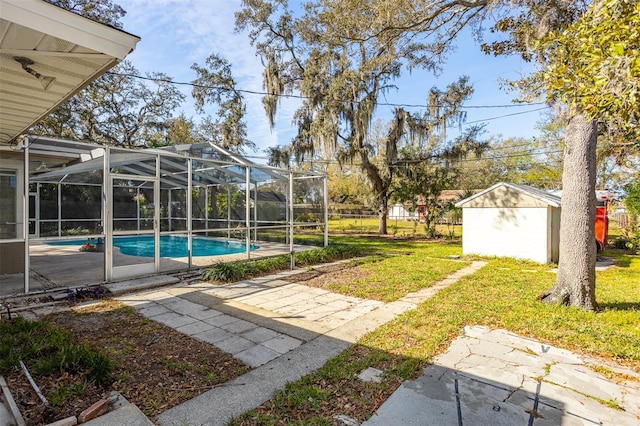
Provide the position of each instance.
(72, 49)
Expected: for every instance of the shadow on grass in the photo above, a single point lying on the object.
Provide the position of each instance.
(623, 262)
(621, 259)
(620, 306)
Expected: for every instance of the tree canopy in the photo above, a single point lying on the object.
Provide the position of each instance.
(341, 57)
(103, 11)
(594, 66)
(117, 109)
(215, 85)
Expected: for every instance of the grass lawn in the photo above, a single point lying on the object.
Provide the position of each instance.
(399, 271)
(390, 278)
(398, 228)
(501, 295)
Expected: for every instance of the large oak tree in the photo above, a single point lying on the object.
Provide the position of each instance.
(321, 55)
(342, 57)
(117, 109)
(593, 66)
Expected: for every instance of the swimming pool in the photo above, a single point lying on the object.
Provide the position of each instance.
(170, 246)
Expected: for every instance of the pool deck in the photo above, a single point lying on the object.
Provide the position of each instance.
(56, 266)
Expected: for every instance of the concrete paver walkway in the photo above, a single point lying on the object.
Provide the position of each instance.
(493, 377)
(254, 320)
(283, 329)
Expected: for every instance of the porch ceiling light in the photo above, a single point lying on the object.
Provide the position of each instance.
(46, 81)
(42, 168)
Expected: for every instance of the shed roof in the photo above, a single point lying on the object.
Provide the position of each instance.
(48, 54)
(496, 196)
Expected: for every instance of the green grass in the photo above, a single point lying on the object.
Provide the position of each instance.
(398, 228)
(500, 295)
(48, 350)
(503, 294)
(376, 245)
(389, 278)
(396, 268)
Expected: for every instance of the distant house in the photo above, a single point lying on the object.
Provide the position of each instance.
(400, 211)
(512, 220)
(446, 196)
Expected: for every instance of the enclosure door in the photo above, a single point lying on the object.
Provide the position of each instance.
(135, 238)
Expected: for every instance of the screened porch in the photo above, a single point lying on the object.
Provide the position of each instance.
(82, 213)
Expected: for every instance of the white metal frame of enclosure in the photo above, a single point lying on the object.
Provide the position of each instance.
(101, 158)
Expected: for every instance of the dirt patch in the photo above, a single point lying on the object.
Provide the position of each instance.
(327, 276)
(156, 367)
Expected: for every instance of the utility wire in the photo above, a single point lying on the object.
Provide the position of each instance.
(293, 96)
(503, 116)
(481, 158)
(517, 153)
(432, 157)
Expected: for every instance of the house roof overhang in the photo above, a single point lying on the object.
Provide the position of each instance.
(47, 55)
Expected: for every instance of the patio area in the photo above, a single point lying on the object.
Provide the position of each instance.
(55, 267)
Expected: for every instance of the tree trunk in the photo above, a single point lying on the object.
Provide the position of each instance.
(576, 281)
(383, 210)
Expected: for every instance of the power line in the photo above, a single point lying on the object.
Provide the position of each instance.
(432, 157)
(481, 158)
(518, 153)
(293, 96)
(499, 157)
(465, 106)
(503, 116)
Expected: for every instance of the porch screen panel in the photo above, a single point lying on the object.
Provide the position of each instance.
(8, 205)
(308, 210)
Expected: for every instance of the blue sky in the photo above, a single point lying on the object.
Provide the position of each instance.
(176, 33)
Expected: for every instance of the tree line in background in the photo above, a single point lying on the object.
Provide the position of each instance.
(343, 56)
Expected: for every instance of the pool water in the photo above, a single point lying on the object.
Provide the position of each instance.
(170, 246)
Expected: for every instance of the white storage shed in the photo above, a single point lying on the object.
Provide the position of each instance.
(513, 221)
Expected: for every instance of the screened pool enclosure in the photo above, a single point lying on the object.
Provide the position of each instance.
(82, 213)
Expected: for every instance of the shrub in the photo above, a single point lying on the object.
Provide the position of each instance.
(235, 271)
(231, 271)
(621, 243)
(626, 243)
(306, 217)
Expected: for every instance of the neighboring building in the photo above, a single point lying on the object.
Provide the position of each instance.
(400, 212)
(513, 221)
(446, 196)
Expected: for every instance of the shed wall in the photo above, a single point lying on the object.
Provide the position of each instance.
(513, 232)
